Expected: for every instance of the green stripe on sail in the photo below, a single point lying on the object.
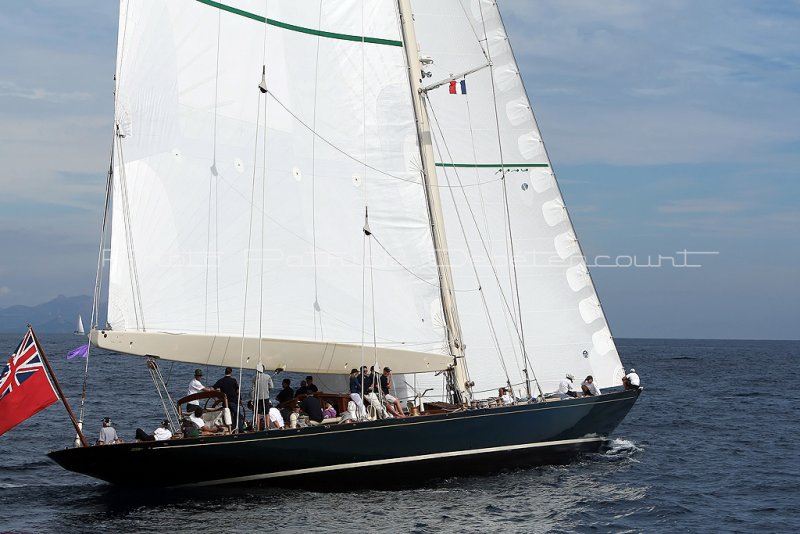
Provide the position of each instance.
(491, 165)
(292, 27)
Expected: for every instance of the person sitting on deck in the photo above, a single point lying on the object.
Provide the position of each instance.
(589, 388)
(506, 397)
(201, 424)
(565, 390)
(377, 409)
(108, 434)
(631, 380)
(295, 420)
(329, 412)
(351, 414)
(313, 409)
(161, 433)
(392, 402)
(274, 418)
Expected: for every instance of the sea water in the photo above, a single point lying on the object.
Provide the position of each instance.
(709, 447)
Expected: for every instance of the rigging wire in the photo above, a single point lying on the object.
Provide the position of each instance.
(250, 238)
(263, 211)
(211, 190)
(316, 306)
(131, 249)
(515, 279)
(492, 330)
(474, 220)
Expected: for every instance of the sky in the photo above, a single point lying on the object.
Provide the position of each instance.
(673, 127)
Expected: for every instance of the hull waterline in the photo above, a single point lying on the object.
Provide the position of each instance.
(400, 451)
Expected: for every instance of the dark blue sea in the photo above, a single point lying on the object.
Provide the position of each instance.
(709, 447)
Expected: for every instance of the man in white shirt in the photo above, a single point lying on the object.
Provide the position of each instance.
(506, 397)
(275, 418)
(565, 389)
(197, 419)
(161, 433)
(631, 380)
(589, 388)
(195, 386)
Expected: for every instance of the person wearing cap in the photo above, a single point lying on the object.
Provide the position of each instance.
(162, 433)
(589, 388)
(393, 403)
(108, 434)
(631, 380)
(195, 386)
(565, 389)
(506, 397)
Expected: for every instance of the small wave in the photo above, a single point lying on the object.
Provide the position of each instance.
(683, 358)
(28, 466)
(618, 448)
(9, 485)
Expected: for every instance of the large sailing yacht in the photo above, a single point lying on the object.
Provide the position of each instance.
(318, 186)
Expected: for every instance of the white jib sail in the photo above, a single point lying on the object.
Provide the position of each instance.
(480, 129)
(238, 214)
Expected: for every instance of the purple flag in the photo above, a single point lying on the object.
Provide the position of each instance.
(81, 351)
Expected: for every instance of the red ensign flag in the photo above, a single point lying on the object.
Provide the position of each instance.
(25, 388)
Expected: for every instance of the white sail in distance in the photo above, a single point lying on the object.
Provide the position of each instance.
(79, 326)
(499, 194)
(239, 215)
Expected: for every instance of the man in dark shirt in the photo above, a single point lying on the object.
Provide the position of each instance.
(287, 393)
(313, 408)
(302, 390)
(230, 387)
(393, 403)
(312, 388)
(368, 380)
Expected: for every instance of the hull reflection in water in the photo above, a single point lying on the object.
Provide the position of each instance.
(398, 452)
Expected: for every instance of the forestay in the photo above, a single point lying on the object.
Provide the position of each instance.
(232, 220)
(498, 188)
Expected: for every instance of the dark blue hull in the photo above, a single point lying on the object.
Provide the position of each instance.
(396, 451)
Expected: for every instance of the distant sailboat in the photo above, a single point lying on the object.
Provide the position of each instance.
(79, 328)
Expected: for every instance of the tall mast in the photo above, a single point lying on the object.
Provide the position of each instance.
(436, 219)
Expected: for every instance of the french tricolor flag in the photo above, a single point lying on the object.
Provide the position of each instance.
(458, 88)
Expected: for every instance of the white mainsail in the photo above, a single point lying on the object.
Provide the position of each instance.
(239, 215)
(480, 137)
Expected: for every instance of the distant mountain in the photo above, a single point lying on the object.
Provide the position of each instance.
(60, 315)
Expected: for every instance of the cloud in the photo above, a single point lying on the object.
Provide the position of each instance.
(635, 83)
(11, 89)
(704, 206)
(4, 290)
